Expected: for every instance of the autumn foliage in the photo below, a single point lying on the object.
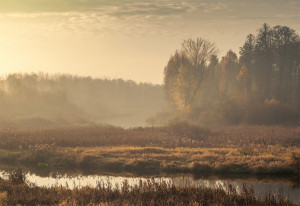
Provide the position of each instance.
(236, 89)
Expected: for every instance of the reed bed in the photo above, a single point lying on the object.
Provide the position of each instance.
(175, 135)
(178, 148)
(15, 191)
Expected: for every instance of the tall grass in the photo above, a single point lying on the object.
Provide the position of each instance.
(178, 135)
(180, 147)
(145, 193)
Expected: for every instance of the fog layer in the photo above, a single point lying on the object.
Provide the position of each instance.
(42, 99)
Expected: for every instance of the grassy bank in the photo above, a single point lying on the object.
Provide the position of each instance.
(155, 160)
(15, 191)
(180, 148)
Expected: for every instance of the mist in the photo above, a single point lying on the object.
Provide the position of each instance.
(41, 99)
(157, 102)
(260, 86)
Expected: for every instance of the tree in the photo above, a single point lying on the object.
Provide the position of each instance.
(213, 62)
(285, 60)
(273, 61)
(171, 71)
(247, 51)
(198, 51)
(243, 76)
(185, 72)
(229, 68)
(263, 62)
(272, 58)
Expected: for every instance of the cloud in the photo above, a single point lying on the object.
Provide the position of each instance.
(146, 17)
(96, 16)
(17, 6)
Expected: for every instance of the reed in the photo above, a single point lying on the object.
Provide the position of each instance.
(145, 193)
(177, 148)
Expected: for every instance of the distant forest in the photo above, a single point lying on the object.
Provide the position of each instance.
(261, 86)
(44, 99)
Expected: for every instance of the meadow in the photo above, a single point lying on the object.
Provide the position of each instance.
(178, 148)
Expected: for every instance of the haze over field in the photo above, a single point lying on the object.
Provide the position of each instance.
(147, 91)
(125, 39)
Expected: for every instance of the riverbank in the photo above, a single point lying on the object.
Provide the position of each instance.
(274, 160)
(15, 190)
(179, 148)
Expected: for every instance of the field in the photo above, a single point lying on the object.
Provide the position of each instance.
(178, 148)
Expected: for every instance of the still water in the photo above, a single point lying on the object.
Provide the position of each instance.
(260, 187)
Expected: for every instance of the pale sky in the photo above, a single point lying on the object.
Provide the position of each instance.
(126, 39)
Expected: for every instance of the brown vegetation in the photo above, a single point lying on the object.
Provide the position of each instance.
(180, 134)
(178, 148)
(13, 192)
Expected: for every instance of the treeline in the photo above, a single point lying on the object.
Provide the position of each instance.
(41, 98)
(261, 86)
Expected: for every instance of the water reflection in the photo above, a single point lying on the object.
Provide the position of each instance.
(287, 191)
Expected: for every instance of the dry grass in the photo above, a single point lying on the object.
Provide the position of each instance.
(177, 148)
(15, 191)
(179, 135)
(158, 159)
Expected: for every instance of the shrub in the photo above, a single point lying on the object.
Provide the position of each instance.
(17, 177)
(272, 113)
(186, 129)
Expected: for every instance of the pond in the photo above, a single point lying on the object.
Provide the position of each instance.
(260, 187)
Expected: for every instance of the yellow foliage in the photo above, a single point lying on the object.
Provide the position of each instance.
(183, 92)
(3, 196)
(243, 73)
(272, 101)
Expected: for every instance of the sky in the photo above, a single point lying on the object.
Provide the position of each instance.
(126, 39)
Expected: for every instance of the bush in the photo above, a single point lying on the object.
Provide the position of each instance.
(272, 113)
(186, 129)
(17, 177)
(231, 112)
(162, 118)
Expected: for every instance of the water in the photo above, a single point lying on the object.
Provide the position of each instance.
(260, 188)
